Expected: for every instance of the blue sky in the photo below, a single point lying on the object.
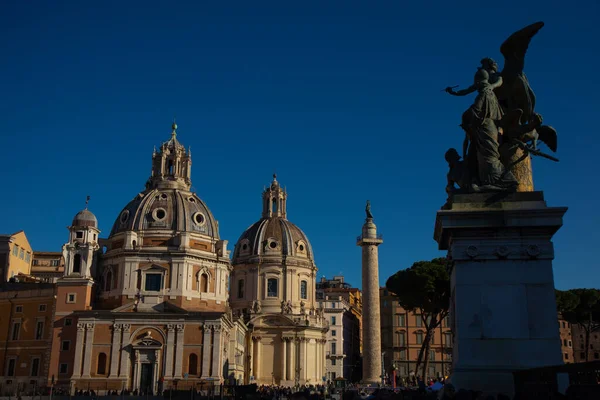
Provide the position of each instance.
(341, 98)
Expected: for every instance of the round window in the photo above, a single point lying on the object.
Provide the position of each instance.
(192, 200)
(301, 247)
(159, 214)
(199, 218)
(273, 245)
(124, 216)
(163, 196)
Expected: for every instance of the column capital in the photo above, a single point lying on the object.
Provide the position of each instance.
(117, 328)
(170, 327)
(206, 328)
(81, 326)
(89, 326)
(126, 327)
(256, 338)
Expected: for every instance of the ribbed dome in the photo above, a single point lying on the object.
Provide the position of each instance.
(167, 209)
(85, 218)
(274, 236)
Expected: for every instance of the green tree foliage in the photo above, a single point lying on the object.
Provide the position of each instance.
(582, 307)
(425, 289)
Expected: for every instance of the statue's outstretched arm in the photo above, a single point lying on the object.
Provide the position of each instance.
(462, 92)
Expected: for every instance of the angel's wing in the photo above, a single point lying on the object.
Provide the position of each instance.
(514, 48)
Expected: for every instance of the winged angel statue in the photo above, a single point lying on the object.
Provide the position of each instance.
(501, 127)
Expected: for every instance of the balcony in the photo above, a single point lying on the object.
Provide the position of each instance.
(379, 236)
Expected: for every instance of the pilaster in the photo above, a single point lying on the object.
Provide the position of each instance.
(216, 358)
(89, 342)
(169, 351)
(206, 350)
(79, 349)
(114, 350)
(179, 351)
(125, 359)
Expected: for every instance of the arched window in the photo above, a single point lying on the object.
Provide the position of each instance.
(241, 289)
(272, 287)
(274, 206)
(101, 370)
(77, 264)
(193, 364)
(304, 290)
(108, 281)
(204, 283)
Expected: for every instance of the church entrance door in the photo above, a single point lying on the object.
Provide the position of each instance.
(146, 375)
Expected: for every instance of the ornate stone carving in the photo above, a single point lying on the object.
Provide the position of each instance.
(81, 326)
(206, 328)
(126, 327)
(89, 326)
(256, 338)
(502, 251)
(117, 327)
(179, 327)
(533, 250)
(217, 328)
(472, 251)
(170, 327)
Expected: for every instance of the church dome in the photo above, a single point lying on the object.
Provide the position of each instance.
(273, 235)
(168, 204)
(85, 218)
(166, 209)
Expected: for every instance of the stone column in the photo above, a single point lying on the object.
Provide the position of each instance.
(125, 356)
(317, 360)
(114, 350)
(169, 351)
(155, 372)
(206, 350)
(369, 241)
(284, 341)
(179, 351)
(78, 350)
(89, 342)
(500, 256)
(216, 357)
(256, 357)
(136, 370)
(250, 357)
(302, 359)
(290, 359)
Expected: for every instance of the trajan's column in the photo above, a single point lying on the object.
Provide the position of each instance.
(369, 241)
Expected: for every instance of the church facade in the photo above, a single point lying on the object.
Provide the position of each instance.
(160, 305)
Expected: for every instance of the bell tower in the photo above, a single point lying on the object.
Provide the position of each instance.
(83, 243)
(274, 200)
(171, 165)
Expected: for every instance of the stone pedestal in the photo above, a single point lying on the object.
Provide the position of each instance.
(503, 309)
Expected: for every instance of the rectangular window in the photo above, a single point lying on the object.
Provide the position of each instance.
(401, 338)
(333, 332)
(272, 289)
(566, 356)
(16, 330)
(333, 320)
(563, 324)
(570, 344)
(431, 355)
(63, 369)
(448, 339)
(68, 321)
(71, 297)
(333, 347)
(15, 250)
(153, 282)
(582, 356)
(241, 289)
(419, 337)
(55, 263)
(22, 254)
(65, 345)
(333, 361)
(447, 321)
(403, 354)
(304, 290)
(34, 262)
(564, 342)
(39, 330)
(319, 295)
(79, 235)
(35, 366)
(332, 304)
(28, 257)
(418, 321)
(11, 367)
(19, 309)
(42, 308)
(401, 320)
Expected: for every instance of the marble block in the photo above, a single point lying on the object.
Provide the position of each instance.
(503, 309)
